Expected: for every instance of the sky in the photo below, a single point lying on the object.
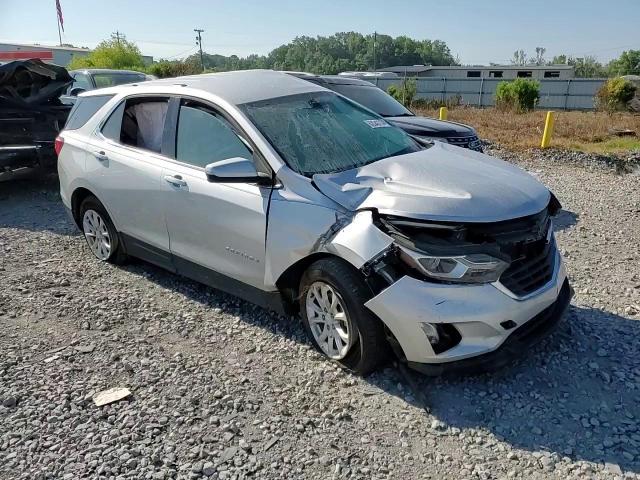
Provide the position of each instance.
(478, 32)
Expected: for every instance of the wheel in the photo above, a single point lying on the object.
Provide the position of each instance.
(332, 297)
(100, 233)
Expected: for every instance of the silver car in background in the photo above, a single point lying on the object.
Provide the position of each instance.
(295, 198)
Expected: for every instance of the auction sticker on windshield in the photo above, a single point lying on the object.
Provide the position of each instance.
(377, 123)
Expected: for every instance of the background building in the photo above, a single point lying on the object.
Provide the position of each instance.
(50, 54)
(507, 72)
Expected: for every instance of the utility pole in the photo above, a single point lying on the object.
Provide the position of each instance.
(375, 37)
(117, 36)
(199, 43)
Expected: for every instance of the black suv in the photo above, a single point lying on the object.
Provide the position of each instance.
(377, 100)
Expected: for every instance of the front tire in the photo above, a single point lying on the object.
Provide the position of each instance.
(100, 233)
(332, 297)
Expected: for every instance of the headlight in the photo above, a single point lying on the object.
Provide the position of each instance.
(471, 268)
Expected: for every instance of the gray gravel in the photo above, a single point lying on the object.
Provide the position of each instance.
(222, 389)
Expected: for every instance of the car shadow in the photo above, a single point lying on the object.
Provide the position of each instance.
(34, 204)
(564, 220)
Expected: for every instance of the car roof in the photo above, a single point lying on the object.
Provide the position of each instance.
(105, 70)
(238, 87)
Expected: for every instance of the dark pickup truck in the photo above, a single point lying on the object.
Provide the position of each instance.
(31, 114)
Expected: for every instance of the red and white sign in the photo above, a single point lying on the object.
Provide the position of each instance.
(26, 54)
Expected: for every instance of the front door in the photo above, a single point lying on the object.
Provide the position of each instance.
(220, 227)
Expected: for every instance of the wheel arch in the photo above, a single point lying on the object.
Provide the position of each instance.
(289, 281)
(78, 196)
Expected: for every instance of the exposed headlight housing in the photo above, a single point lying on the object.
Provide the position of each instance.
(470, 268)
(432, 139)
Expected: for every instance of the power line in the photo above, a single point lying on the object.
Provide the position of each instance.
(199, 43)
(117, 36)
(189, 50)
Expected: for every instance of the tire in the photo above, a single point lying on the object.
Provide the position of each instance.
(94, 216)
(367, 348)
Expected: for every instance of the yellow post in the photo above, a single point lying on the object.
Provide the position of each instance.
(443, 113)
(548, 129)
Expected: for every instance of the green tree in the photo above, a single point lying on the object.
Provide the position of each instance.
(121, 55)
(627, 64)
(405, 93)
(584, 67)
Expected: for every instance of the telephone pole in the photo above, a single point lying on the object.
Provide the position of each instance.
(117, 36)
(375, 37)
(199, 43)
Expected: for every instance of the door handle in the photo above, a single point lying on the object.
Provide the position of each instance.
(175, 180)
(101, 156)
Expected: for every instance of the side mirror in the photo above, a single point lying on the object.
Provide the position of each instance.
(76, 91)
(235, 170)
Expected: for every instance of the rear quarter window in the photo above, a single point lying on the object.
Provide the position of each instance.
(84, 109)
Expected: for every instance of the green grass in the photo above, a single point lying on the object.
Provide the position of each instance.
(613, 145)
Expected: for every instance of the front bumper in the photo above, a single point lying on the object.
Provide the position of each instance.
(476, 311)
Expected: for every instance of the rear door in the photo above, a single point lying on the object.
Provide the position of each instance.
(125, 162)
(218, 226)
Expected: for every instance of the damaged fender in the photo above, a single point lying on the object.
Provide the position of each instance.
(350, 236)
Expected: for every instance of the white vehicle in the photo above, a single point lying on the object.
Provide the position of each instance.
(293, 197)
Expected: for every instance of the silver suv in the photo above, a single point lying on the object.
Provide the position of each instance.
(294, 197)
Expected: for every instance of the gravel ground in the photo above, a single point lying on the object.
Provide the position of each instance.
(222, 389)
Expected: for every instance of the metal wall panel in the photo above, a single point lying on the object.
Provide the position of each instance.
(571, 94)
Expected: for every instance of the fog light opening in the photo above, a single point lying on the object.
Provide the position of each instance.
(431, 331)
(441, 336)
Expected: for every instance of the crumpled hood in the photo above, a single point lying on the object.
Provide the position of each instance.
(443, 183)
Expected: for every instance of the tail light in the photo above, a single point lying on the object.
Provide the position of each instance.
(57, 145)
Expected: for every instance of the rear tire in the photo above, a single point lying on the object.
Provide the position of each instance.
(100, 233)
(332, 298)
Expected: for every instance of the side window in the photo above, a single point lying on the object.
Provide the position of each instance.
(80, 80)
(138, 122)
(84, 109)
(204, 137)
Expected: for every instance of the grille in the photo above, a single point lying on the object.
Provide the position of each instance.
(465, 142)
(532, 270)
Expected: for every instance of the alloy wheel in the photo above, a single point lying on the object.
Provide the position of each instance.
(328, 320)
(97, 234)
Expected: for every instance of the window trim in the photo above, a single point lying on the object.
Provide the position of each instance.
(551, 74)
(474, 72)
(259, 160)
(77, 104)
(501, 72)
(162, 155)
(530, 74)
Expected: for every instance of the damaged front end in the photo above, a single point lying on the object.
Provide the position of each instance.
(459, 289)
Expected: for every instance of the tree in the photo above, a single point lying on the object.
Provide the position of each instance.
(519, 58)
(627, 64)
(539, 60)
(118, 54)
(339, 52)
(584, 67)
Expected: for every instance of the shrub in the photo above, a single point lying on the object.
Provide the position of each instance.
(519, 95)
(175, 68)
(404, 93)
(614, 94)
(433, 103)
